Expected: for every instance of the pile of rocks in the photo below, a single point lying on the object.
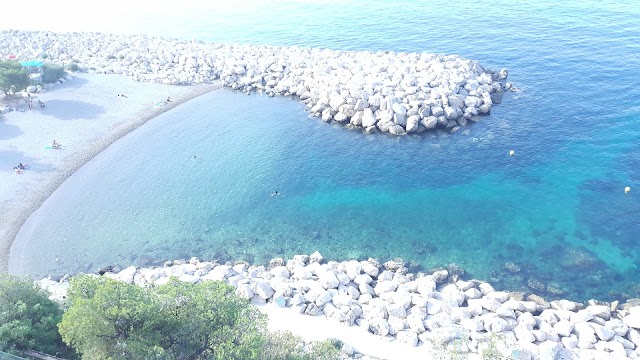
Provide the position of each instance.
(393, 92)
(436, 310)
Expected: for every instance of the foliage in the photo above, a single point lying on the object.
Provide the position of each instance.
(51, 72)
(324, 350)
(13, 76)
(286, 346)
(72, 66)
(28, 318)
(109, 319)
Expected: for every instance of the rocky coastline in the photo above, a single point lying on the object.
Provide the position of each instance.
(393, 92)
(437, 311)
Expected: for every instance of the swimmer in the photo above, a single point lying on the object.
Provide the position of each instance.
(17, 170)
(275, 193)
(55, 145)
(22, 166)
(195, 156)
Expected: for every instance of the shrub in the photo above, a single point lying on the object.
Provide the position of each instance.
(52, 72)
(72, 66)
(13, 76)
(28, 318)
(286, 346)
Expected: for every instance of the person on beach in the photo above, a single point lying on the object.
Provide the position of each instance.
(29, 102)
(42, 105)
(55, 145)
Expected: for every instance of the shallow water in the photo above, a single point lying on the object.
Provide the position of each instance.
(557, 209)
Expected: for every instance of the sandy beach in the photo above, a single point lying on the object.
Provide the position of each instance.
(85, 115)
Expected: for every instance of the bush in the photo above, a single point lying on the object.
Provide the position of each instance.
(28, 318)
(111, 319)
(52, 72)
(72, 66)
(286, 346)
(13, 76)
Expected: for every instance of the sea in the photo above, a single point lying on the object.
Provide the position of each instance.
(553, 219)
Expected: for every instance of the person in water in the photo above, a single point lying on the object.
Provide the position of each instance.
(55, 145)
(22, 166)
(275, 193)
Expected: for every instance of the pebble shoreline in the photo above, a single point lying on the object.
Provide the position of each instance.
(438, 310)
(392, 92)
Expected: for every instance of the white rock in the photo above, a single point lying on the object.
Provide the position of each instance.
(585, 332)
(570, 342)
(127, 275)
(384, 287)
(632, 320)
(328, 280)
(617, 326)
(379, 327)
(549, 350)
(315, 258)
(323, 298)
(563, 327)
(523, 333)
(368, 268)
(500, 296)
(280, 271)
(408, 337)
(395, 325)
(602, 332)
(473, 325)
(264, 289)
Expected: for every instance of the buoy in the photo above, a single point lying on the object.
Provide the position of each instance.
(627, 189)
(512, 152)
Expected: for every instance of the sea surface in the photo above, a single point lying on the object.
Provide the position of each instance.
(553, 219)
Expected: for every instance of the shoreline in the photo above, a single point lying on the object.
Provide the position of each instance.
(13, 214)
(382, 310)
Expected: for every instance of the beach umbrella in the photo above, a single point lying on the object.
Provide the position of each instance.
(31, 63)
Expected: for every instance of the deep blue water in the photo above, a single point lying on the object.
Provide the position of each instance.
(557, 209)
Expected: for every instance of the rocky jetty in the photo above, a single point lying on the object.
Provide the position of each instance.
(438, 310)
(393, 92)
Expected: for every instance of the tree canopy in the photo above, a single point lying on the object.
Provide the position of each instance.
(13, 76)
(109, 319)
(28, 318)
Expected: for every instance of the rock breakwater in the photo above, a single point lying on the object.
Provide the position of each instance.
(437, 310)
(393, 92)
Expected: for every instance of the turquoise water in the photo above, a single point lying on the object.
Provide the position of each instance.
(557, 209)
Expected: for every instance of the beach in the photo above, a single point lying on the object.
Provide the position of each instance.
(85, 115)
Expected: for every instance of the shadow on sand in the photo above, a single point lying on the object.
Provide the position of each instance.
(11, 158)
(72, 110)
(8, 131)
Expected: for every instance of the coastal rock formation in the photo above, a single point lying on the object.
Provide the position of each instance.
(433, 310)
(393, 92)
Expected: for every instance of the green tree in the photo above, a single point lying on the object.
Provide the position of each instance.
(209, 321)
(52, 72)
(28, 318)
(13, 76)
(283, 345)
(108, 319)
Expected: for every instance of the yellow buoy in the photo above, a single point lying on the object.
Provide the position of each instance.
(627, 189)
(512, 152)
